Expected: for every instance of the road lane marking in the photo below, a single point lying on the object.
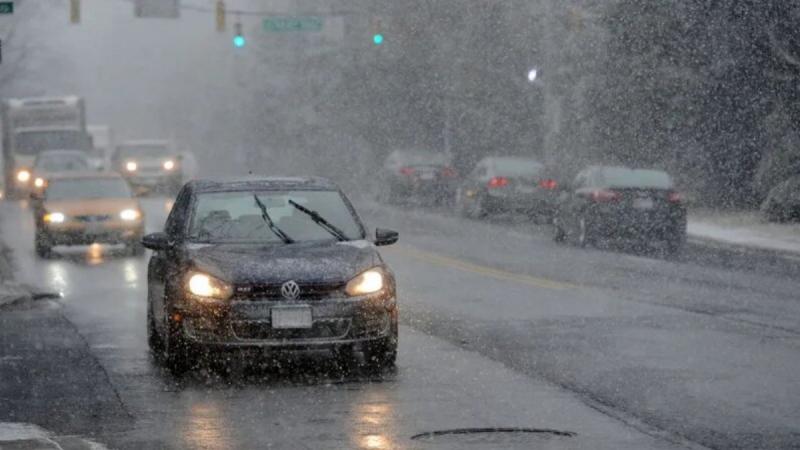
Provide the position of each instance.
(446, 261)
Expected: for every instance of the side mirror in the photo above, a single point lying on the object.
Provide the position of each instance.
(385, 237)
(156, 241)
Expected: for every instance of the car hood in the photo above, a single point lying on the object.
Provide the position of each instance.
(265, 264)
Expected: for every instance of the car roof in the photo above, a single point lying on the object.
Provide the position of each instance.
(89, 175)
(261, 183)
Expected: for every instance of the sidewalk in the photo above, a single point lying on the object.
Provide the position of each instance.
(744, 229)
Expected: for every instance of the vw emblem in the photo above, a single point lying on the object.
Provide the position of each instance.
(290, 290)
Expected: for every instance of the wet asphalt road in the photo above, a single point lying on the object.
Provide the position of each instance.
(502, 328)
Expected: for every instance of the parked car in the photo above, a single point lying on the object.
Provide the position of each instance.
(621, 203)
(149, 165)
(53, 162)
(501, 184)
(268, 265)
(417, 175)
(84, 208)
(783, 202)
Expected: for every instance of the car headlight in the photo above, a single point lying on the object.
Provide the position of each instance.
(54, 217)
(203, 285)
(129, 214)
(23, 176)
(368, 282)
(38, 182)
(168, 164)
(131, 166)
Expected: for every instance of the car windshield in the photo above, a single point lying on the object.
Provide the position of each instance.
(33, 142)
(87, 188)
(635, 178)
(61, 163)
(142, 151)
(517, 167)
(237, 217)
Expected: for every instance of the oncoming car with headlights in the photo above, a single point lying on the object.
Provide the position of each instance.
(266, 265)
(84, 208)
(149, 165)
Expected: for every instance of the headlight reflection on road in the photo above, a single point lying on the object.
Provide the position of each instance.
(129, 270)
(57, 277)
(206, 428)
(94, 254)
(373, 423)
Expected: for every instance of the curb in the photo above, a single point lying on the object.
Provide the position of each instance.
(720, 244)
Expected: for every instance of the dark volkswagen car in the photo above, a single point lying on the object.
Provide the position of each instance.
(618, 202)
(272, 264)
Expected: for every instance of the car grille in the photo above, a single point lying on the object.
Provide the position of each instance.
(93, 218)
(272, 292)
(262, 330)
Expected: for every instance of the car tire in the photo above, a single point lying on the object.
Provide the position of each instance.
(675, 245)
(584, 236)
(154, 341)
(477, 208)
(43, 245)
(559, 235)
(382, 353)
(178, 354)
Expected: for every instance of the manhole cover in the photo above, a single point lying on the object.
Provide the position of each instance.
(493, 437)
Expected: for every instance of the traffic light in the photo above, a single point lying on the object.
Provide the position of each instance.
(220, 16)
(377, 31)
(238, 36)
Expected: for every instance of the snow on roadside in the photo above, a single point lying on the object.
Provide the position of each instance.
(36, 438)
(746, 229)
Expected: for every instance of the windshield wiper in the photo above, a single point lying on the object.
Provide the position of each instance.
(319, 220)
(265, 215)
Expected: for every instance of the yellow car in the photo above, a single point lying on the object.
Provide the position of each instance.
(81, 209)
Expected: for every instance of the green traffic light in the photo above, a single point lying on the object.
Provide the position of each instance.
(238, 41)
(377, 39)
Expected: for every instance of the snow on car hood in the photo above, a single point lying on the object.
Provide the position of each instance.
(263, 264)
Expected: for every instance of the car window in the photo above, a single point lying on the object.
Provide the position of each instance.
(87, 188)
(517, 167)
(622, 177)
(236, 216)
(61, 163)
(142, 151)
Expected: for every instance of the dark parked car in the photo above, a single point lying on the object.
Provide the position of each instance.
(507, 184)
(783, 202)
(417, 175)
(619, 202)
(261, 265)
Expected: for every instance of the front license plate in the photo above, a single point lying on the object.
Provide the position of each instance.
(291, 317)
(426, 176)
(95, 229)
(643, 203)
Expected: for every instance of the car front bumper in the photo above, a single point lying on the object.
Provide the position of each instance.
(336, 322)
(74, 233)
